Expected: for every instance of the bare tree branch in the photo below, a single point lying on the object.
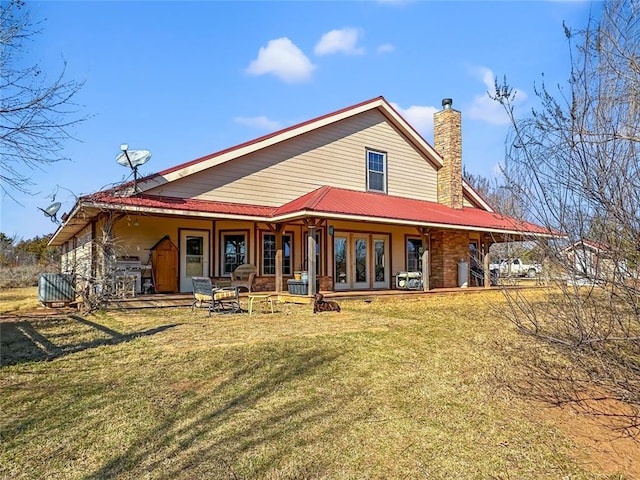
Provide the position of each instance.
(36, 114)
(575, 163)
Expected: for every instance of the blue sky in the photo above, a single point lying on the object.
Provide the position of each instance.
(186, 79)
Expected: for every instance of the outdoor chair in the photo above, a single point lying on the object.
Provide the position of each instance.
(243, 276)
(225, 300)
(202, 291)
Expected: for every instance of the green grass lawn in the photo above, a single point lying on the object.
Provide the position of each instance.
(387, 389)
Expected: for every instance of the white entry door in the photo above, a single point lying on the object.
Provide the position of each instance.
(194, 257)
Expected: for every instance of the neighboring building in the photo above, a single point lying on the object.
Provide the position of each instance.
(594, 261)
(352, 197)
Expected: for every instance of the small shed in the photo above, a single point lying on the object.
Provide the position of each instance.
(164, 261)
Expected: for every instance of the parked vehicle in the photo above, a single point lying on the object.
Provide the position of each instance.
(515, 267)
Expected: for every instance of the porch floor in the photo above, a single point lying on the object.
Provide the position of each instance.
(158, 300)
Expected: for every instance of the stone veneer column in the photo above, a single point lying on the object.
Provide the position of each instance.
(447, 130)
(447, 248)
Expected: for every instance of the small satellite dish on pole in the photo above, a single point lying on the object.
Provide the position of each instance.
(51, 211)
(133, 159)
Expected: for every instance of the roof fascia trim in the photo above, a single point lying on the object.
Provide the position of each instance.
(74, 211)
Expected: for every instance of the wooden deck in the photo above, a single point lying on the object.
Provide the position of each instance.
(165, 300)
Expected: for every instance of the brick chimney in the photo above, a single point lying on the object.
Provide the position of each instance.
(447, 133)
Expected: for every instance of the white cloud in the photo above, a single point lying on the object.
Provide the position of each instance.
(337, 41)
(498, 170)
(420, 117)
(260, 122)
(282, 58)
(484, 108)
(386, 48)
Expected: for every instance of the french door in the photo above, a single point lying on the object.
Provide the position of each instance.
(360, 261)
(194, 257)
(380, 262)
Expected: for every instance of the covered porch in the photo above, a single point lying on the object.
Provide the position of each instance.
(344, 241)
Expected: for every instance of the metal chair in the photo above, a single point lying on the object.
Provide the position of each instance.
(202, 291)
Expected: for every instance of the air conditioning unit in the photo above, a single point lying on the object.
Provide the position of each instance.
(56, 289)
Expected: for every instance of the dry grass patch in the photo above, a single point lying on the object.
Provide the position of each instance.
(387, 389)
(18, 299)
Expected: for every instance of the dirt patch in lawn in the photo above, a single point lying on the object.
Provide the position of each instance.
(604, 444)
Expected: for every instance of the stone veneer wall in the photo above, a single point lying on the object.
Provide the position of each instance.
(447, 248)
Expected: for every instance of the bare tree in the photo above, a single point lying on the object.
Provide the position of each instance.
(36, 114)
(575, 163)
(501, 195)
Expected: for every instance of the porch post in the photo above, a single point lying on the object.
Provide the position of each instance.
(426, 267)
(487, 261)
(425, 262)
(311, 259)
(278, 233)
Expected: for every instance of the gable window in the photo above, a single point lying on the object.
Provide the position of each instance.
(269, 254)
(234, 252)
(376, 171)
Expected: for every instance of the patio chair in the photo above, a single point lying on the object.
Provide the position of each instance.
(243, 276)
(202, 291)
(225, 300)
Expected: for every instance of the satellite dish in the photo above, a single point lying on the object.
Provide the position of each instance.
(133, 159)
(52, 210)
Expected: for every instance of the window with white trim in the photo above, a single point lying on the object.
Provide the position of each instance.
(269, 254)
(376, 171)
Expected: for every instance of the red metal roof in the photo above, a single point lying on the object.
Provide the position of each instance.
(185, 204)
(341, 202)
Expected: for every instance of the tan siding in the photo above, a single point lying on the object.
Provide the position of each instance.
(132, 240)
(333, 155)
(66, 259)
(467, 202)
(136, 241)
(78, 259)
